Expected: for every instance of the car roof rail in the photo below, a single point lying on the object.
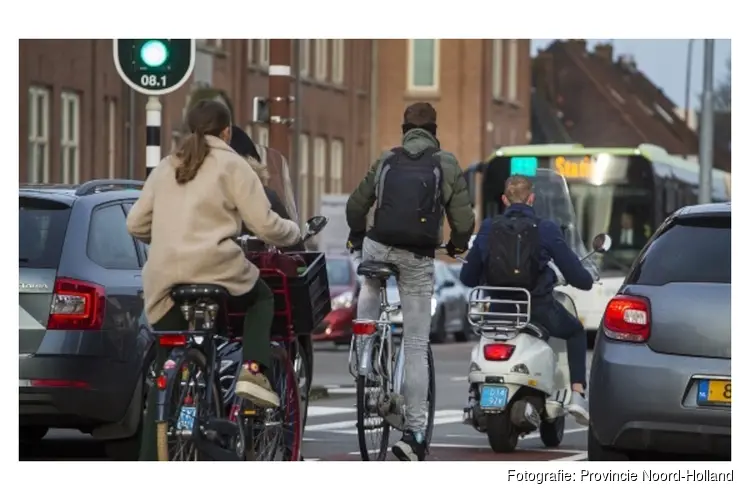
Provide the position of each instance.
(100, 185)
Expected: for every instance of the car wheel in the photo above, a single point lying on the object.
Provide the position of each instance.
(599, 453)
(32, 435)
(439, 336)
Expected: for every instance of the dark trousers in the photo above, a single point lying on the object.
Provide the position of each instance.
(256, 346)
(561, 324)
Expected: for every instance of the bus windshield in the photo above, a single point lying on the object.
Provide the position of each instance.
(623, 212)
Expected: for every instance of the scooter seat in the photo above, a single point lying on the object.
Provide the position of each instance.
(536, 331)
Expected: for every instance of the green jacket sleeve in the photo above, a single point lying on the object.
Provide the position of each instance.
(457, 201)
(361, 200)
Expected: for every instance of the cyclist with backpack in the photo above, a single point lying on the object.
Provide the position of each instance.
(513, 249)
(411, 187)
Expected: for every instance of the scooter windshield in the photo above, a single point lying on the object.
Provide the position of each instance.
(552, 201)
(279, 179)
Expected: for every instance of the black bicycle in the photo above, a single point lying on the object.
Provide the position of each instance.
(198, 414)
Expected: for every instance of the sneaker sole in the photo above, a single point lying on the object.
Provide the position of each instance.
(257, 394)
(580, 415)
(404, 453)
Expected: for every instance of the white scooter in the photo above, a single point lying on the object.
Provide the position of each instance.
(518, 376)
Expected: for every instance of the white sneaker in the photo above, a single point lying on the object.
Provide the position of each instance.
(579, 408)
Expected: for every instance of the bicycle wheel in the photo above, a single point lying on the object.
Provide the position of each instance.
(276, 433)
(185, 400)
(373, 445)
(430, 397)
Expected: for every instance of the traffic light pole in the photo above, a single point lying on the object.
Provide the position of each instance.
(153, 134)
(279, 81)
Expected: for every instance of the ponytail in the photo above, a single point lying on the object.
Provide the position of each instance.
(191, 155)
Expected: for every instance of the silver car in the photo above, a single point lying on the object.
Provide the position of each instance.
(661, 371)
(449, 306)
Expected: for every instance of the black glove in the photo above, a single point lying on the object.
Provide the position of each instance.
(354, 243)
(453, 250)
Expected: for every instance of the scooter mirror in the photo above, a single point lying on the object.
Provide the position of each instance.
(602, 243)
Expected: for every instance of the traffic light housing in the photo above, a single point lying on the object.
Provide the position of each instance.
(154, 66)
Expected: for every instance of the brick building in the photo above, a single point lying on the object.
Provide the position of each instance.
(78, 120)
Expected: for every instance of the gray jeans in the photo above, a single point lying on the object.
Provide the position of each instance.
(415, 287)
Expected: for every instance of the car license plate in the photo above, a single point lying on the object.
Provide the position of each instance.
(493, 397)
(187, 416)
(714, 392)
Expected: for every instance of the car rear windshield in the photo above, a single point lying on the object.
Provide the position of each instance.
(339, 272)
(41, 232)
(691, 250)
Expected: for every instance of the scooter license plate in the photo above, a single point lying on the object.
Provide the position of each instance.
(187, 415)
(493, 397)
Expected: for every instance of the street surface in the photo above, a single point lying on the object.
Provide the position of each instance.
(331, 432)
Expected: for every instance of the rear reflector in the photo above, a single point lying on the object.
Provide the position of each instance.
(627, 318)
(172, 340)
(77, 305)
(498, 352)
(364, 327)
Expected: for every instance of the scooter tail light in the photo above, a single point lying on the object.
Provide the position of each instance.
(498, 352)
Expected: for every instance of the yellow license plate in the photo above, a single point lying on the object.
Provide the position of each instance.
(715, 391)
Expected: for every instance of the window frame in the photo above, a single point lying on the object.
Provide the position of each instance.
(264, 52)
(304, 58)
(250, 52)
(70, 139)
(321, 59)
(304, 175)
(512, 90)
(338, 62)
(410, 84)
(37, 94)
(337, 166)
(319, 169)
(498, 46)
(112, 137)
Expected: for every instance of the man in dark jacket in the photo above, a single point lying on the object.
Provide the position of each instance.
(420, 155)
(518, 199)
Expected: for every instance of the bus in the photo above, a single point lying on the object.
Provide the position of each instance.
(624, 192)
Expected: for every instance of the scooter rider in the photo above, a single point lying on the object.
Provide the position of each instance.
(515, 239)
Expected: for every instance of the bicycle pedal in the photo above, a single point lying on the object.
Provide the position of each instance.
(222, 427)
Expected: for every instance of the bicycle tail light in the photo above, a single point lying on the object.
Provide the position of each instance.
(172, 340)
(364, 327)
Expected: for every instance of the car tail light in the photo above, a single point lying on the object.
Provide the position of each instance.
(77, 305)
(172, 340)
(498, 352)
(363, 327)
(627, 319)
(56, 383)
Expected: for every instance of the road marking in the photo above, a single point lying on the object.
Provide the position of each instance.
(323, 411)
(465, 378)
(575, 458)
(311, 460)
(349, 426)
(343, 390)
(533, 435)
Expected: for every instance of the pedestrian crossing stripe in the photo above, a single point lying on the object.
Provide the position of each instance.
(442, 417)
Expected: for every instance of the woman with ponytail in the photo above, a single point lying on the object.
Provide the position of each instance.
(190, 211)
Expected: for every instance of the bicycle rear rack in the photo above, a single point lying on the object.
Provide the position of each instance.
(499, 325)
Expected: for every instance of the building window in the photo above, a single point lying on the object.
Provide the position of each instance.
(111, 138)
(70, 138)
(304, 58)
(321, 60)
(319, 163)
(497, 69)
(424, 61)
(264, 50)
(337, 165)
(261, 139)
(513, 70)
(338, 62)
(250, 54)
(304, 180)
(38, 160)
(218, 43)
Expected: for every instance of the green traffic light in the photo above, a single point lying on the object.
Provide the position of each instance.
(154, 53)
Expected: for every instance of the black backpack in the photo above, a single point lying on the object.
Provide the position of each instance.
(409, 206)
(514, 252)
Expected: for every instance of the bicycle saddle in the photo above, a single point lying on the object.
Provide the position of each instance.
(198, 291)
(377, 270)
